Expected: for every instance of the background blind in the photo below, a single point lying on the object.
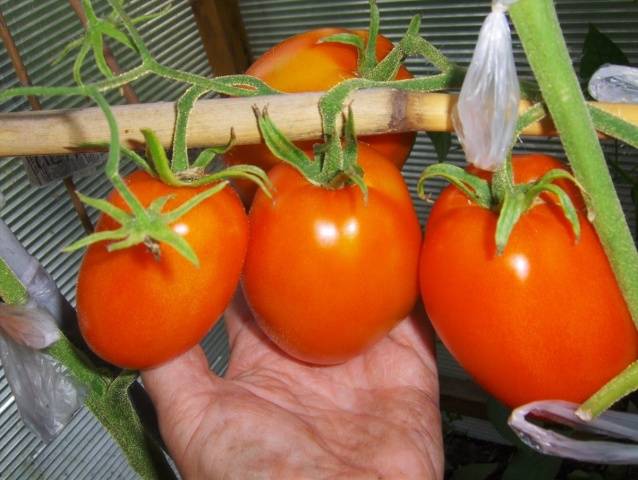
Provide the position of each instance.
(44, 220)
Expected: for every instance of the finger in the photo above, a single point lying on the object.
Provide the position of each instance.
(183, 377)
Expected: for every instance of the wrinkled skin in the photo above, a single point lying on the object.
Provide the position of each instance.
(376, 416)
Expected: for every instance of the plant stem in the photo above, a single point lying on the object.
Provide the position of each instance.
(538, 28)
(625, 383)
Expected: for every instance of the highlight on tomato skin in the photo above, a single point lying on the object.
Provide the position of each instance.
(303, 64)
(136, 311)
(546, 319)
(328, 274)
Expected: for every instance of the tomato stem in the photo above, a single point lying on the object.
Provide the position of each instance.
(622, 385)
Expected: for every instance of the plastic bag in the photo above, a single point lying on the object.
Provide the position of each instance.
(46, 396)
(614, 84)
(487, 111)
(613, 424)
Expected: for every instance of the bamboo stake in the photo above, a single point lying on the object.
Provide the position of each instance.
(23, 77)
(297, 115)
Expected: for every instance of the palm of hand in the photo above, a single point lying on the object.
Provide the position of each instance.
(375, 416)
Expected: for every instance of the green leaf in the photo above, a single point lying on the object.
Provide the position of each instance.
(474, 471)
(442, 141)
(599, 49)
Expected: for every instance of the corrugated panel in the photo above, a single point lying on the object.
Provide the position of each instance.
(453, 27)
(44, 220)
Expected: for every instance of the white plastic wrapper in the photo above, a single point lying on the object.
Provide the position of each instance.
(46, 396)
(487, 111)
(611, 424)
(614, 84)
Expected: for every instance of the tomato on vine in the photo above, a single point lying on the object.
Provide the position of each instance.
(327, 272)
(137, 310)
(543, 320)
(303, 63)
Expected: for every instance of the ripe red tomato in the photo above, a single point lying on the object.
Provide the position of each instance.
(546, 319)
(326, 273)
(136, 311)
(301, 64)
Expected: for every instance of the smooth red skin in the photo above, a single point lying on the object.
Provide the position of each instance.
(324, 301)
(560, 332)
(137, 312)
(301, 64)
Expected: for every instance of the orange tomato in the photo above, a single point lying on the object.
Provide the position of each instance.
(137, 311)
(545, 320)
(327, 274)
(302, 64)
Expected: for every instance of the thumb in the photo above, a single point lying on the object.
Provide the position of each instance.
(182, 378)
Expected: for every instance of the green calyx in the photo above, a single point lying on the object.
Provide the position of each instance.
(152, 226)
(334, 163)
(501, 195)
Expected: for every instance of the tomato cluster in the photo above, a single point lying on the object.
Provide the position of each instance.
(329, 272)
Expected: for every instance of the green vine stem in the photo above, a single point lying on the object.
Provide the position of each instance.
(538, 28)
(106, 397)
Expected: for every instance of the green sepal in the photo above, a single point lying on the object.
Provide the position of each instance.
(514, 205)
(284, 149)
(188, 205)
(351, 39)
(151, 227)
(137, 159)
(117, 214)
(159, 159)
(205, 157)
(475, 188)
(95, 238)
(247, 172)
(520, 198)
(568, 207)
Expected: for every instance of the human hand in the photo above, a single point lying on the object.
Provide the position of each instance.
(376, 416)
